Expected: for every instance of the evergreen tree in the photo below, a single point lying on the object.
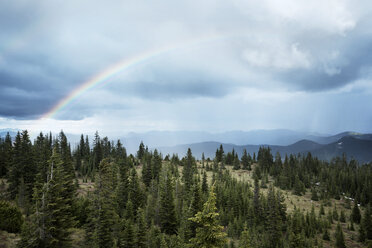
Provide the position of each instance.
(342, 216)
(141, 230)
(273, 223)
(97, 151)
(167, 214)
(53, 217)
(205, 183)
(339, 236)
(321, 211)
(326, 235)
(245, 240)
(210, 233)
(11, 217)
(245, 161)
(123, 187)
(189, 169)
(23, 166)
(355, 214)
(203, 160)
(141, 151)
(195, 207)
(256, 201)
(366, 222)
(156, 165)
(127, 236)
(335, 213)
(147, 174)
(314, 195)
(236, 163)
(5, 155)
(219, 154)
(135, 192)
(103, 216)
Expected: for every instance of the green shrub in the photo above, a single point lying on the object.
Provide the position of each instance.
(11, 219)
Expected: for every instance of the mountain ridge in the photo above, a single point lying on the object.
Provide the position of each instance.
(357, 148)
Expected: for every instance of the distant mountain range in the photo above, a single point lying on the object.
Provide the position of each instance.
(11, 131)
(354, 145)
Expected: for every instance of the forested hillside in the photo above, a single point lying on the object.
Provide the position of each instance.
(94, 194)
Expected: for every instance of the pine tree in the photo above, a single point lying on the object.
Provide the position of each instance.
(195, 207)
(167, 213)
(355, 215)
(205, 183)
(362, 233)
(314, 195)
(189, 169)
(127, 236)
(141, 151)
(256, 201)
(5, 155)
(123, 186)
(53, 217)
(219, 154)
(135, 192)
(11, 217)
(335, 213)
(326, 235)
(245, 239)
(156, 165)
(321, 211)
(103, 216)
(147, 174)
(210, 233)
(97, 151)
(245, 161)
(23, 166)
(236, 163)
(141, 230)
(342, 216)
(339, 236)
(366, 222)
(203, 160)
(273, 222)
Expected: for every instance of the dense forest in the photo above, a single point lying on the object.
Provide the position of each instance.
(94, 194)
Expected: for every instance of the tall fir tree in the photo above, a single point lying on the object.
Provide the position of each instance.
(355, 214)
(245, 161)
(102, 219)
(339, 236)
(209, 233)
(189, 169)
(167, 213)
(53, 217)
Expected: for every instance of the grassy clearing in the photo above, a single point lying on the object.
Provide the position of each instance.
(8, 240)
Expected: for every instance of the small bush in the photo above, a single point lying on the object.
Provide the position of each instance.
(11, 217)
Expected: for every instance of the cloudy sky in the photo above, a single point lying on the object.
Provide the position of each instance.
(223, 65)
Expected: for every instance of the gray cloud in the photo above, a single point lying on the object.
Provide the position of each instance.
(47, 49)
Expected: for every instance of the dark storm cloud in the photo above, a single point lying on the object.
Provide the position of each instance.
(29, 95)
(20, 104)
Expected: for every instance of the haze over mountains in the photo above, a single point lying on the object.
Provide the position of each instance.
(354, 145)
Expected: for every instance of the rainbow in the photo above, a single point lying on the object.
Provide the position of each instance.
(107, 74)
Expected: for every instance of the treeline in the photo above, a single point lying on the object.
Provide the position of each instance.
(336, 179)
(145, 200)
